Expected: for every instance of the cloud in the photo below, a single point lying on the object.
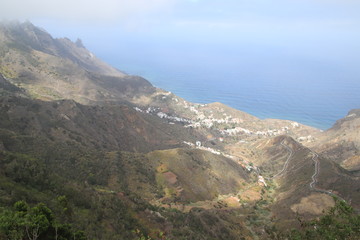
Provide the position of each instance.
(81, 10)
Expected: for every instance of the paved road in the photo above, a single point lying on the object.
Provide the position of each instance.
(314, 178)
(314, 181)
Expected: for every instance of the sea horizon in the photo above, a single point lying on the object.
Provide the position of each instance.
(272, 60)
(262, 98)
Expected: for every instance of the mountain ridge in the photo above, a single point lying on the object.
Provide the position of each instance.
(149, 161)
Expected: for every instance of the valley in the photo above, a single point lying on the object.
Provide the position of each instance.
(137, 162)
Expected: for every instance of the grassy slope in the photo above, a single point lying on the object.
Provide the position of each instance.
(44, 155)
(65, 148)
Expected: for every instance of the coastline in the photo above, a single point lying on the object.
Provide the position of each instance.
(246, 104)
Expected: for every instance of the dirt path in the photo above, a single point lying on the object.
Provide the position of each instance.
(287, 160)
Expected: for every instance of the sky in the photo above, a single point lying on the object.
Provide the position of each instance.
(194, 20)
(307, 26)
(296, 40)
(304, 27)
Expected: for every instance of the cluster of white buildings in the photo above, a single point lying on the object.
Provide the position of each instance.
(308, 138)
(138, 109)
(238, 130)
(208, 122)
(157, 112)
(148, 110)
(173, 118)
(198, 146)
(235, 131)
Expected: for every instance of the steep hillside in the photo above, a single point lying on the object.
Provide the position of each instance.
(306, 182)
(118, 195)
(120, 159)
(111, 127)
(341, 143)
(214, 175)
(108, 196)
(8, 89)
(25, 37)
(52, 69)
(220, 123)
(50, 149)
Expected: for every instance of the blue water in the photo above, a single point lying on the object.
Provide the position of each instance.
(272, 85)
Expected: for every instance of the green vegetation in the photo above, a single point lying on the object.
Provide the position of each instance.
(100, 171)
(38, 222)
(7, 72)
(340, 222)
(105, 194)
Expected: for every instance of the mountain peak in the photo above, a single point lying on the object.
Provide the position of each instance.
(103, 136)
(79, 43)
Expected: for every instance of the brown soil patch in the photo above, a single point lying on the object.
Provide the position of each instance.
(232, 202)
(314, 204)
(170, 177)
(352, 163)
(250, 195)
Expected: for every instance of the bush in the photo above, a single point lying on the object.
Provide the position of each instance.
(341, 222)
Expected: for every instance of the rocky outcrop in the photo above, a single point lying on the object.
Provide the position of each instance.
(52, 69)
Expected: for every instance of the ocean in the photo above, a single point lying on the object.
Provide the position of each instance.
(315, 92)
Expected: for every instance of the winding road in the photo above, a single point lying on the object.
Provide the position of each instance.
(313, 177)
(314, 181)
(287, 160)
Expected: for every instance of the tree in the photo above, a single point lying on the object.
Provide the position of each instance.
(32, 223)
(11, 225)
(341, 222)
(37, 221)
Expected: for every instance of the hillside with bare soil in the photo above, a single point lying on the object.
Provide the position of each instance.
(117, 158)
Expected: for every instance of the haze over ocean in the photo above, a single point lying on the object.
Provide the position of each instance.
(295, 60)
(270, 85)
